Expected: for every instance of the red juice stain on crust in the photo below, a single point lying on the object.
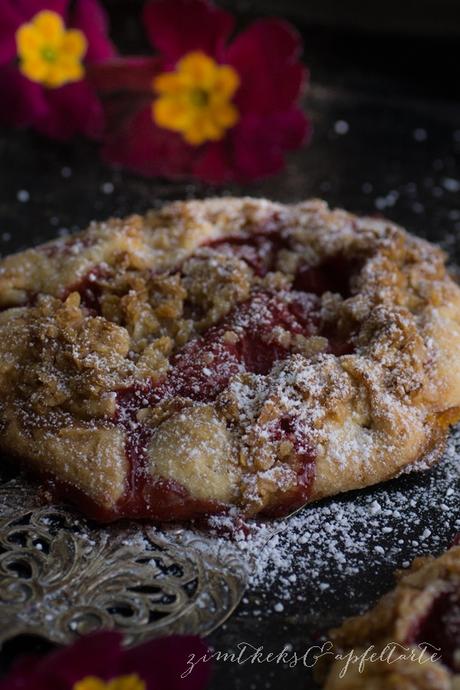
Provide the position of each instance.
(289, 428)
(440, 628)
(259, 250)
(90, 288)
(62, 491)
(148, 496)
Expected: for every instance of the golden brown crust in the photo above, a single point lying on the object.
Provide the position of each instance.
(364, 390)
(393, 624)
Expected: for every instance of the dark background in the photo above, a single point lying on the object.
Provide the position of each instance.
(398, 93)
(385, 104)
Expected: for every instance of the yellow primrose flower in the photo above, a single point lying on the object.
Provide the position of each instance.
(50, 54)
(195, 99)
(132, 682)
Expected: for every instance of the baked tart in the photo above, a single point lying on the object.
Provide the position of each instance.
(226, 356)
(413, 633)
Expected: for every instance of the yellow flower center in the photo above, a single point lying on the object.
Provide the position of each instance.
(195, 99)
(48, 53)
(132, 682)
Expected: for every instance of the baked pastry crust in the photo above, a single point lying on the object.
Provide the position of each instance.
(226, 353)
(421, 613)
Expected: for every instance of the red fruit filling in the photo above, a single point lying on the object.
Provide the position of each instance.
(200, 371)
(332, 275)
(259, 250)
(290, 428)
(243, 342)
(90, 288)
(247, 340)
(440, 628)
(150, 496)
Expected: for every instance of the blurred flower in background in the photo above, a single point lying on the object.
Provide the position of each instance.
(45, 47)
(217, 109)
(98, 662)
(208, 104)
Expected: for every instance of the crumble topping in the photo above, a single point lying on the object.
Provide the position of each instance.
(250, 354)
(423, 611)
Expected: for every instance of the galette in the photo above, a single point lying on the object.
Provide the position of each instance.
(410, 640)
(231, 356)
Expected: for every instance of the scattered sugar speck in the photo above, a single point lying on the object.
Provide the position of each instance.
(450, 184)
(420, 134)
(107, 187)
(23, 196)
(341, 127)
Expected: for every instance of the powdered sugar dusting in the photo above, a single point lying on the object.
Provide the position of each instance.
(327, 552)
(332, 546)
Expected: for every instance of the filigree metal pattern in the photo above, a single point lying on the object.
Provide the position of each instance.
(61, 576)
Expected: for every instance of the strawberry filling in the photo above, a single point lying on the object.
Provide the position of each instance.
(289, 428)
(253, 337)
(332, 275)
(440, 629)
(258, 250)
(90, 289)
(243, 342)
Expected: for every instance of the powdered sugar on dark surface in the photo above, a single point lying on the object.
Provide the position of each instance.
(329, 550)
(345, 547)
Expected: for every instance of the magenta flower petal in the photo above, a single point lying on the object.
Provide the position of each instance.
(215, 164)
(10, 19)
(292, 128)
(142, 147)
(29, 8)
(257, 153)
(72, 109)
(89, 17)
(130, 74)
(266, 56)
(161, 662)
(22, 674)
(97, 655)
(260, 142)
(255, 149)
(175, 28)
(22, 100)
(65, 111)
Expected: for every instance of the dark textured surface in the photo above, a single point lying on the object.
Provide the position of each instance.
(383, 143)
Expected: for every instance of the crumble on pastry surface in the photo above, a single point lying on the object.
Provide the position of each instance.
(226, 353)
(421, 612)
